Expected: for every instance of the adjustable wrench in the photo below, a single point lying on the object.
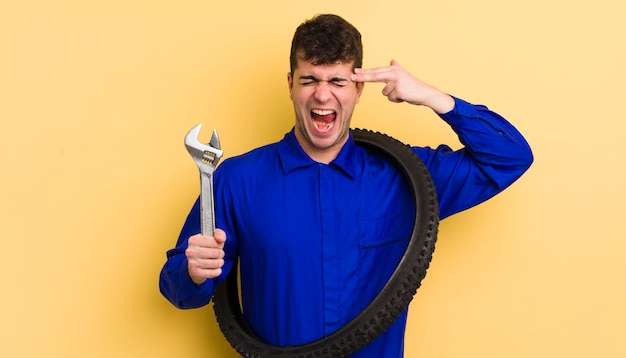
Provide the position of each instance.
(206, 157)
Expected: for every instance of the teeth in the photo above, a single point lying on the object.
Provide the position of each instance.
(323, 112)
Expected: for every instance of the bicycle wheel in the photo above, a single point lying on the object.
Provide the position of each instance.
(390, 302)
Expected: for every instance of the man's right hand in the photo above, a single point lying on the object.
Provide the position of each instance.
(205, 256)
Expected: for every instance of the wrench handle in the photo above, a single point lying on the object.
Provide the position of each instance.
(207, 208)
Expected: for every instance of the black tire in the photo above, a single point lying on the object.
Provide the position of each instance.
(391, 301)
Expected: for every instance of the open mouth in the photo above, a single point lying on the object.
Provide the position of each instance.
(323, 119)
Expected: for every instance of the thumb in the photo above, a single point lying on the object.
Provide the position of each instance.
(220, 237)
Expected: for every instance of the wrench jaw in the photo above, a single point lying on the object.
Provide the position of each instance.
(215, 140)
(206, 158)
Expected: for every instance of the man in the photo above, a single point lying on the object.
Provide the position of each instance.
(320, 223)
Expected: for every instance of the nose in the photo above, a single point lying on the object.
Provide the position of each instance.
(323, 92)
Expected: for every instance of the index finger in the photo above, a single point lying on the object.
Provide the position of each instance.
(378, 74)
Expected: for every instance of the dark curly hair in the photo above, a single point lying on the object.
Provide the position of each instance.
(326, 39)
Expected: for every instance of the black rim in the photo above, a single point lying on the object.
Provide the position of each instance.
(390, 302)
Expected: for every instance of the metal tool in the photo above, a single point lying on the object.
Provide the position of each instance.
(206, 157)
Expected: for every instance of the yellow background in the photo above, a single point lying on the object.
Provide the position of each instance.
(96, 97)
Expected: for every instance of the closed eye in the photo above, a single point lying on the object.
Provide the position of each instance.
(335, 81)
(339, 82)
(308, 80)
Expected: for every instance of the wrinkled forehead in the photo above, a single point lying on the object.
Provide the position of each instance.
(324, 71)
(310, 65)
(302, 59)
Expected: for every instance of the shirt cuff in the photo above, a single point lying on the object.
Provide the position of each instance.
(462, 110)
(187, 284)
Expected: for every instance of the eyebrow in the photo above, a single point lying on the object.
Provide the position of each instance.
(313, 78)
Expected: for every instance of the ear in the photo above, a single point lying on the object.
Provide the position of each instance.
(290, 80)
(290, 83)
(359, 90)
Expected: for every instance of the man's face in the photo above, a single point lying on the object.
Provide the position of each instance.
(323, 97)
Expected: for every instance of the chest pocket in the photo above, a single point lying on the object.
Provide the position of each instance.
(386, 230)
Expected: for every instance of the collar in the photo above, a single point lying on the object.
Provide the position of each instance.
(292, 156)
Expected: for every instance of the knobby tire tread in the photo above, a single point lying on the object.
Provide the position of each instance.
(390, 302)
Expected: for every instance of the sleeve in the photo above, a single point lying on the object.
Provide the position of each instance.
(494, 155)
(174, 281)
